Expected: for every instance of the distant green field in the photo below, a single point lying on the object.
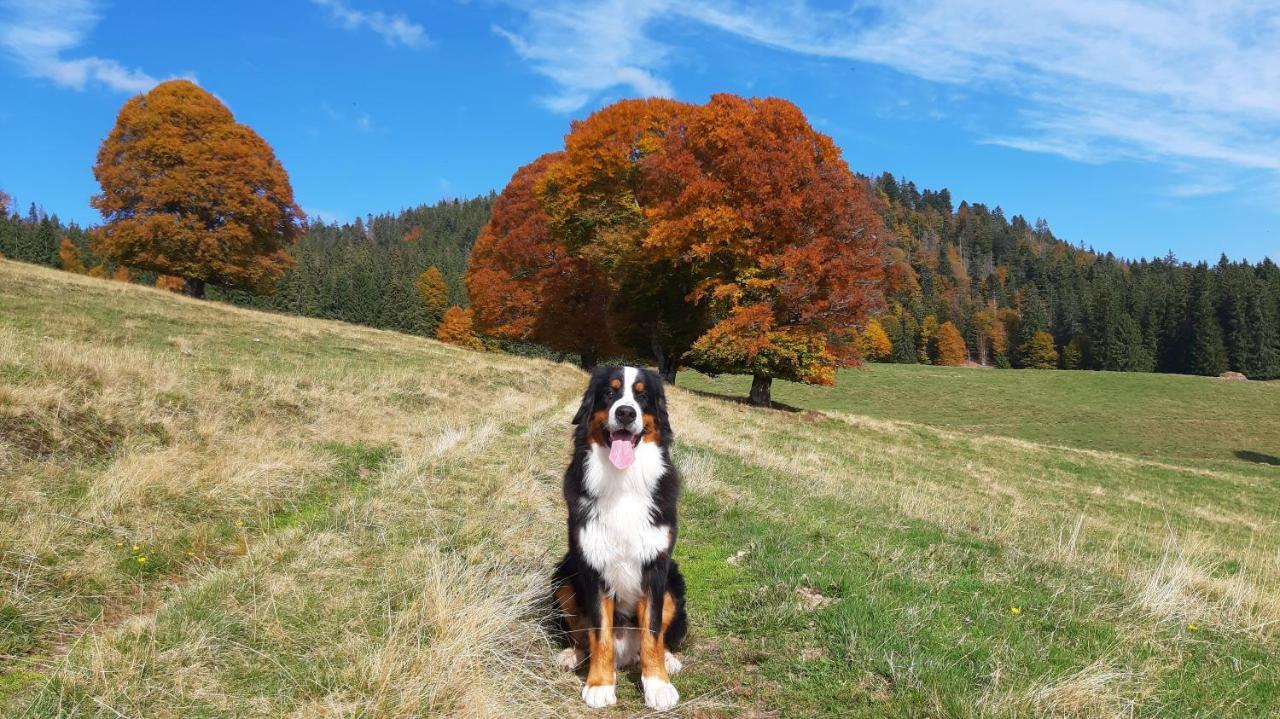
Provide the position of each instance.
(1152, 416)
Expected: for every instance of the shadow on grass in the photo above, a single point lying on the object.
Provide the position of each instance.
(781, 407)
(1258, 457)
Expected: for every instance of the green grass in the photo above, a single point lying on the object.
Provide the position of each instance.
(1153, 416)
(352, 523)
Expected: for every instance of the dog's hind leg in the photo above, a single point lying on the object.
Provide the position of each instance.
(574, 626)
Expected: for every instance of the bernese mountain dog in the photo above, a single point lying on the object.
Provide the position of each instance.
(619, 596)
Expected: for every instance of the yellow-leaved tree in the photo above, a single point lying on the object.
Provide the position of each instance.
(874, 342)
(434, 294)
(951, 348)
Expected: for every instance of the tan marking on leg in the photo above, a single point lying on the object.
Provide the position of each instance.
(653, 649)
(601, 668)
(659, 694)
(568, 602)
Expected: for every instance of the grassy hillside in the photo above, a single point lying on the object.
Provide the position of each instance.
(1153, 416)
(207, 511)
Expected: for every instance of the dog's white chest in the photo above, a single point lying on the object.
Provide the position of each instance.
(619, 536)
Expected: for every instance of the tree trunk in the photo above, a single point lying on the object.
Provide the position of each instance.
(667, 366)
(761, 389)
(587, 360)
(192, 287)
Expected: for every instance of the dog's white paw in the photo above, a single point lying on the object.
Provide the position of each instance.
(604, 695)
(674, 665)
(569, 659)
(659, 694)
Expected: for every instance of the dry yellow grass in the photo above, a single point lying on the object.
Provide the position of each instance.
(344, 522)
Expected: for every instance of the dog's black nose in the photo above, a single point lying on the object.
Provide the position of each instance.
(626, 414)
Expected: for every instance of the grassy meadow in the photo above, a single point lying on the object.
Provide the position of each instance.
(211, 512)
(1162, 417)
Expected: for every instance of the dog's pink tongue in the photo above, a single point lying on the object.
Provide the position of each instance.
(621, 452)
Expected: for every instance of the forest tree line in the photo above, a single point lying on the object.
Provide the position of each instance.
(1002, 282)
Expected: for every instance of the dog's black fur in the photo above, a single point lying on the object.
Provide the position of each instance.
(662, 574)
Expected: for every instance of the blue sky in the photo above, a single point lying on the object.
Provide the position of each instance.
(1132, 127)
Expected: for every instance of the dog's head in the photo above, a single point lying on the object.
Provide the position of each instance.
(623, 406)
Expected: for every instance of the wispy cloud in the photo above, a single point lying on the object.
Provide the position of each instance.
(38, 35)
(362, 121)
(1179, 81)
(324, 217)
(394, 29)
(589, 48)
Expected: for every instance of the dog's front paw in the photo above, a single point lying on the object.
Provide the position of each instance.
(603, 695)
(659, 694)
(569, 659)
(674, 665)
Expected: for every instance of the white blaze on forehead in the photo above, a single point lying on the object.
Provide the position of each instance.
(628, 397)
(628, 385)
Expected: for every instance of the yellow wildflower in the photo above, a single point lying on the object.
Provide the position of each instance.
(1192, 627)
(1015, 611)
(142, 560)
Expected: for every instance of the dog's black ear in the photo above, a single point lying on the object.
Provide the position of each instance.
(589, 397)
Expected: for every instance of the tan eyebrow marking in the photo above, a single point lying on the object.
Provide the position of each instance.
(638, 387)
(616, 383)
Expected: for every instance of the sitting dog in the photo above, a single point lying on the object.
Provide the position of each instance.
(618, 593)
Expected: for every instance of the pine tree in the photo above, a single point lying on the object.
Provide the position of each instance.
(1208, 355)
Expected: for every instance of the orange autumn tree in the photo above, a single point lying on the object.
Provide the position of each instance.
(525, 285)
(951, 349)
(69, 257)
(456, 329)
(187, 191)
(780, 235)
(729, 236)
(594, 197)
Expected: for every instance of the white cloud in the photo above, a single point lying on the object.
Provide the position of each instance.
(37, 35)
(588, 48)
(1176, 80)
(324, 217)
(362, 121)
(394, 29)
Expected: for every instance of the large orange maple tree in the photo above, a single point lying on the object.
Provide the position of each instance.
(525, 285)
(780, 234)
(188, 191)
(729, 236)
